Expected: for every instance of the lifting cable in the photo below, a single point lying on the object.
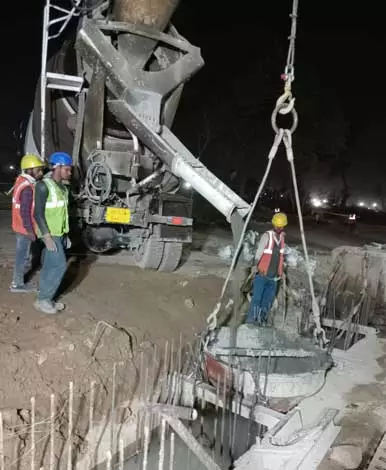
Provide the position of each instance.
(284, 105)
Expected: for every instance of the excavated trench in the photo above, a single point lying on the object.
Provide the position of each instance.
(219, 445)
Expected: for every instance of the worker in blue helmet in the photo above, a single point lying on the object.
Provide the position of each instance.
(52, 220)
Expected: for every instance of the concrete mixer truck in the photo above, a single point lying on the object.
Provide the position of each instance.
(108, 96)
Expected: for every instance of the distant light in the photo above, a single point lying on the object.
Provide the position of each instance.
(316, 202)
(187, 185)
(361, 204)
(374, 204)
(11, 167)
(281, 195)
(277, 210)
(325, 201)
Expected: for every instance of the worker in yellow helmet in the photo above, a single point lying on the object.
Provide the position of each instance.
(269, 268)
(23, 223)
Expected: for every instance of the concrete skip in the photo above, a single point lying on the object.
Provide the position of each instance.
(274, 364)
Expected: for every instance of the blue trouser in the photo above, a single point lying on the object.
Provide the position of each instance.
(53, 269)
(264, 291)
(22, 258)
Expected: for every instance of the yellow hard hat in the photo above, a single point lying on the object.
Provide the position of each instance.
(279, 220)
(30, 161)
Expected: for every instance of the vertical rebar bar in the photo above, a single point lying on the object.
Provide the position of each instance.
(121, 454)
(267, 369)
(230, 402)
(284, 298)
(165, 389)
(113, 411)
(172, 450)
(52, 432)
(91, 422)
(91, 406)
(154, 372)
(224, 404)
(70, 408)
(256, 397)
(108, 460)
(1, 442)
(161, 457)
(215, 423)
(146, 416)
(172, 356)
(146, 384)
(153, 385)
(165, 371)
(347, 337)
(235, 415)
(146, 441)
(267, 372)
(179, 371)
(33, 433)
(138, 437)
(203, 404)
(171, 372)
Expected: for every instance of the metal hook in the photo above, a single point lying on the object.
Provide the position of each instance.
(295, 120)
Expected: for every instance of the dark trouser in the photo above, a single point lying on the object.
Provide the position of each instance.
(264, 291)
(54, 266)
(22, 259)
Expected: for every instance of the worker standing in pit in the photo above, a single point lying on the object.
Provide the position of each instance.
(51, 215)
(22, 218)
(269, 270)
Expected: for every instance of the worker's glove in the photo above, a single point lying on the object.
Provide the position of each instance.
(67, 242)
(49, 242)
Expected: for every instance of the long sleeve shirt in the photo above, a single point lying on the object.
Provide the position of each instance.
(272, 272)
(261, 246)
(41, 195)
(26, 203)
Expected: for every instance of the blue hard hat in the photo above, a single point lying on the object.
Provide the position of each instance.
(60, 158)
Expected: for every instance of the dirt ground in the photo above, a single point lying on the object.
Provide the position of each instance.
(40, 354)
(114, 312)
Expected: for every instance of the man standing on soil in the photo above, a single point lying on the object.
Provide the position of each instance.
(22, 218)
(51, 215)
(269, 270)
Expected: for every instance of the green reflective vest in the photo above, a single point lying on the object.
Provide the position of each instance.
(56, 211)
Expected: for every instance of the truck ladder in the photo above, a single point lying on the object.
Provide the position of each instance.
(50, 80)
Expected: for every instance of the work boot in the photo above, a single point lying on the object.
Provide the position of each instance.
(22, 288)
(46, 306)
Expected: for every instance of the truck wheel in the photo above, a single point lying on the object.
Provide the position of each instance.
(171, 257)
(149, 255)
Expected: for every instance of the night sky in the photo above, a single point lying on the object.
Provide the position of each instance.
(226, 108)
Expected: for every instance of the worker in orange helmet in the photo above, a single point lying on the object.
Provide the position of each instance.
(23, 223)
(269, 270)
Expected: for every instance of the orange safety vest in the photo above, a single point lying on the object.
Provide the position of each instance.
(22, 182)
(265, 260)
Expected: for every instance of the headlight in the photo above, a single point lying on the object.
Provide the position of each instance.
(316, 202)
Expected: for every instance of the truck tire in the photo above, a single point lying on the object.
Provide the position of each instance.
(171, 257)
(151, 254)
